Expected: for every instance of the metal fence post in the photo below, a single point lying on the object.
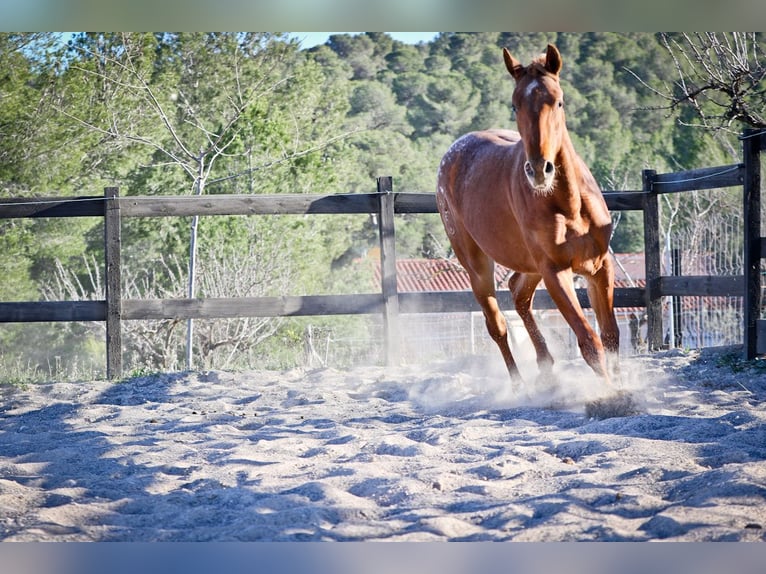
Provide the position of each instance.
(676, 302)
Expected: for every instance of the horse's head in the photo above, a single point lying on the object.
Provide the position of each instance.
(539, 105)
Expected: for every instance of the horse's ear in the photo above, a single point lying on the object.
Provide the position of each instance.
(553, 60)
(514, 66)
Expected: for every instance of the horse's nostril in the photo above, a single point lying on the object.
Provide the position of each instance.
(549, 168)
(528, 169)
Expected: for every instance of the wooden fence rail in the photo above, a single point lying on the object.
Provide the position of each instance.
(389, 303)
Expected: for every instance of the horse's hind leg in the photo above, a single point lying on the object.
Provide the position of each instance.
(522, 286)
(496, 324)
(481, 271)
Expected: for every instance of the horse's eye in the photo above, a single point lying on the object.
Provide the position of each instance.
(561, 103)
(513, 108)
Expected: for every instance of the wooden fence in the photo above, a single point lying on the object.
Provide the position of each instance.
(387, 204)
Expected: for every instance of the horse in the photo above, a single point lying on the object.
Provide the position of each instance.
(527, 201)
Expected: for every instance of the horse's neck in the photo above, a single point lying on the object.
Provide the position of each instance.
(569, 185)
(568, 156)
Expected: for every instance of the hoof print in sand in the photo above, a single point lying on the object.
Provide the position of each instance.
(620, 404)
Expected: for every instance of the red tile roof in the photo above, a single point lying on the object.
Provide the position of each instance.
(427, 275)
(630, 267)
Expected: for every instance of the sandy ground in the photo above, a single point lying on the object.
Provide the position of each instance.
(445, 451)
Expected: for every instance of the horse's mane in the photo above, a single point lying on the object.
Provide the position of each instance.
(537, 67)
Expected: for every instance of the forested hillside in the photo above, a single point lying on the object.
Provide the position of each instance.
(254, 113)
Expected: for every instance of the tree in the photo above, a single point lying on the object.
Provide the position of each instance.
(199, 100)
(252, 113)
(37, 158)
(721, 75)
(201, 105)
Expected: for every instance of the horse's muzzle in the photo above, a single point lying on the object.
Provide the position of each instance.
(540, 174)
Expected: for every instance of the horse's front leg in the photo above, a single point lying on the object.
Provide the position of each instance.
(561, 289)
(601, 295)
(522, 287)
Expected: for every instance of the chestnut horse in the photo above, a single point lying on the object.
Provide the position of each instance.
(528, 201)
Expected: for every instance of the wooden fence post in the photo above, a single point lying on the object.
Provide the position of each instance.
(388, 270)
(652, 261)
(112, 238)
(751, 152)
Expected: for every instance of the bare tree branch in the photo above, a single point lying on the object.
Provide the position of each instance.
(720, 75)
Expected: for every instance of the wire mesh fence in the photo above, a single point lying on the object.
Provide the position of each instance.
(443, 336)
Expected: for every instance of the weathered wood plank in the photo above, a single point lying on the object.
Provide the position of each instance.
(15, 208)
(52, 311)
(113, 273)
(288, 306)
(629, 297)
(230, 308)
(364, 304)
(703, 286)
(760, 327)
(464, 301)
(408, 202)
(426, 202)
(442, 302)
(624, 200)
(623, 297)
(153, 206)
(698, 179)
(176, 206)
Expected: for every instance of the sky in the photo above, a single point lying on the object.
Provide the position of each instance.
(310, 39)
